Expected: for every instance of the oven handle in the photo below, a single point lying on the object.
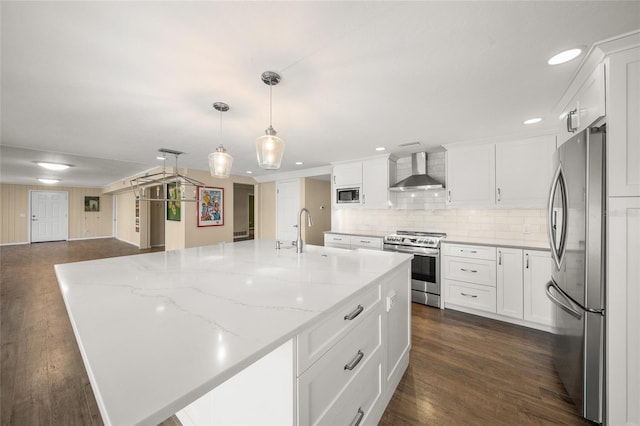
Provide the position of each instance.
(435, 252)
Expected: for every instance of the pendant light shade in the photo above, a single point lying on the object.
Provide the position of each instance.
(220, 161)
(270, 148)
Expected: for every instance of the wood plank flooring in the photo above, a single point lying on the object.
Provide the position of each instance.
(464, 370)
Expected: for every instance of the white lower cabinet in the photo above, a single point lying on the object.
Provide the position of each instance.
(351, 241)
(350, 364)
(509, 289)
(537, 306)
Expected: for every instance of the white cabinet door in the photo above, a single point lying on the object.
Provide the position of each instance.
(537, 271)
(523, 172)
(622, 313)
(348, 174)
(509, 282)
(471, 176)
(585, 107)
(623, 127)
(398, 307)
(376, 178)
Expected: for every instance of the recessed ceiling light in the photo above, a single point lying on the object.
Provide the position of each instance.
(565, 56)
(161, 158)
(380, 148)
(52, 166)
(43, 180)
(532, 120)
(249, 172)
(298, 163)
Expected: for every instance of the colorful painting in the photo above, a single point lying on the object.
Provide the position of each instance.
(210, 206)
(91, 204)
(173, 207)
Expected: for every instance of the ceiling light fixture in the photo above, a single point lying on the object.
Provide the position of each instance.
(298, 163)
(52, 166)
(532, 120)
(380, 148)
(269, 147)
(219, 161)
(565, 56)
(249, 172)
(49, 181)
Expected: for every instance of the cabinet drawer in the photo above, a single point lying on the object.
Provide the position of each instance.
(359, 396)
(316, 341)
(473, 252)
(366, 242)
(470, 295)
(336, 239)
(476, 271)
(324, 381)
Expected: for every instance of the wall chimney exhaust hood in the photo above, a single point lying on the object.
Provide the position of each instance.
(419, 179)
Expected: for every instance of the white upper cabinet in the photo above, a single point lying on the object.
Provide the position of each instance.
(347, 174)
(585, 107)
(523, 172)
(513, 174)
(623, 127)
(372, 176)
(377, 176)
(471, 176)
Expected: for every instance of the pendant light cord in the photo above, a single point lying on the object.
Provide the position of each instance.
(270, 104)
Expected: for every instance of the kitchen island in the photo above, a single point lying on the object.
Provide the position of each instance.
(210, 332)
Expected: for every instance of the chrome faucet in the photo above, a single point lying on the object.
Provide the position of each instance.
(299, 242)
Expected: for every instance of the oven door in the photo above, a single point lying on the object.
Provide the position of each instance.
(425, 273)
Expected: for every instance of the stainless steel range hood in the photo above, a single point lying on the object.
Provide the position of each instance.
(419, 179)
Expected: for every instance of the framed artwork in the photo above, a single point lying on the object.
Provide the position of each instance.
(210, 206)
(91, 204)
(173, 203)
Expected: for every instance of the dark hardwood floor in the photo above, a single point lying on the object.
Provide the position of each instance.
(464, 370)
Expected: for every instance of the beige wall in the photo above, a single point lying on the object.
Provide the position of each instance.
(266, 212)
(14, 213)
(316, 197)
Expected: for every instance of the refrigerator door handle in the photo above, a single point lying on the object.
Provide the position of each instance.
(557, 250)
(569, 308)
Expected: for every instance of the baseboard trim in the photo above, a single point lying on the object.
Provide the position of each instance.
(14, 244)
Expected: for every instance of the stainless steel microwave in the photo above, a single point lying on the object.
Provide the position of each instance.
(347, 195)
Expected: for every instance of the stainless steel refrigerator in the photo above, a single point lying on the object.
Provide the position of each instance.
(577, 285)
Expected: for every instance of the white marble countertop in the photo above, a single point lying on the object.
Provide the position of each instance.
(157, 331)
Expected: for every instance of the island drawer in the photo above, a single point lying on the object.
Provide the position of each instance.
(473, 252)
(339, 241)
(354, 404)
(476, 271)
(316, 341)
(321, 385)
(470, 295)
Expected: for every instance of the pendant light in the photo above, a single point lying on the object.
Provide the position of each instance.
(219, 161)
(269, 147)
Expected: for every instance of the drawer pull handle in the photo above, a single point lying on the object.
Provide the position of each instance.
(355, 361)
(469, 295)
(354, 314)
(470, 251)
(365, 242)
(468, 270)
(358, 418)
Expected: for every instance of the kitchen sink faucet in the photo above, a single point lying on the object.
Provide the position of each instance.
(299, 242)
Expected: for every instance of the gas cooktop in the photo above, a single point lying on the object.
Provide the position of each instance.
(415, 238)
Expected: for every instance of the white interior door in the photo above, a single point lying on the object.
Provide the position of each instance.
(287, 207)
(49, 216)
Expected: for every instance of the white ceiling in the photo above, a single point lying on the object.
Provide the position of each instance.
(104, 85)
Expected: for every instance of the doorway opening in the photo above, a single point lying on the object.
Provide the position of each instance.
(243, 212)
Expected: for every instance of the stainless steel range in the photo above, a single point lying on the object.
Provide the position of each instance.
(425, 266)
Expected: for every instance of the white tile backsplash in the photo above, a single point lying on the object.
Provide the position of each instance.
(522, 227)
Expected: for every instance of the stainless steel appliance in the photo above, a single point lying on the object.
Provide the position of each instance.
(577, 285)
(425, 266)
(347, 195)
